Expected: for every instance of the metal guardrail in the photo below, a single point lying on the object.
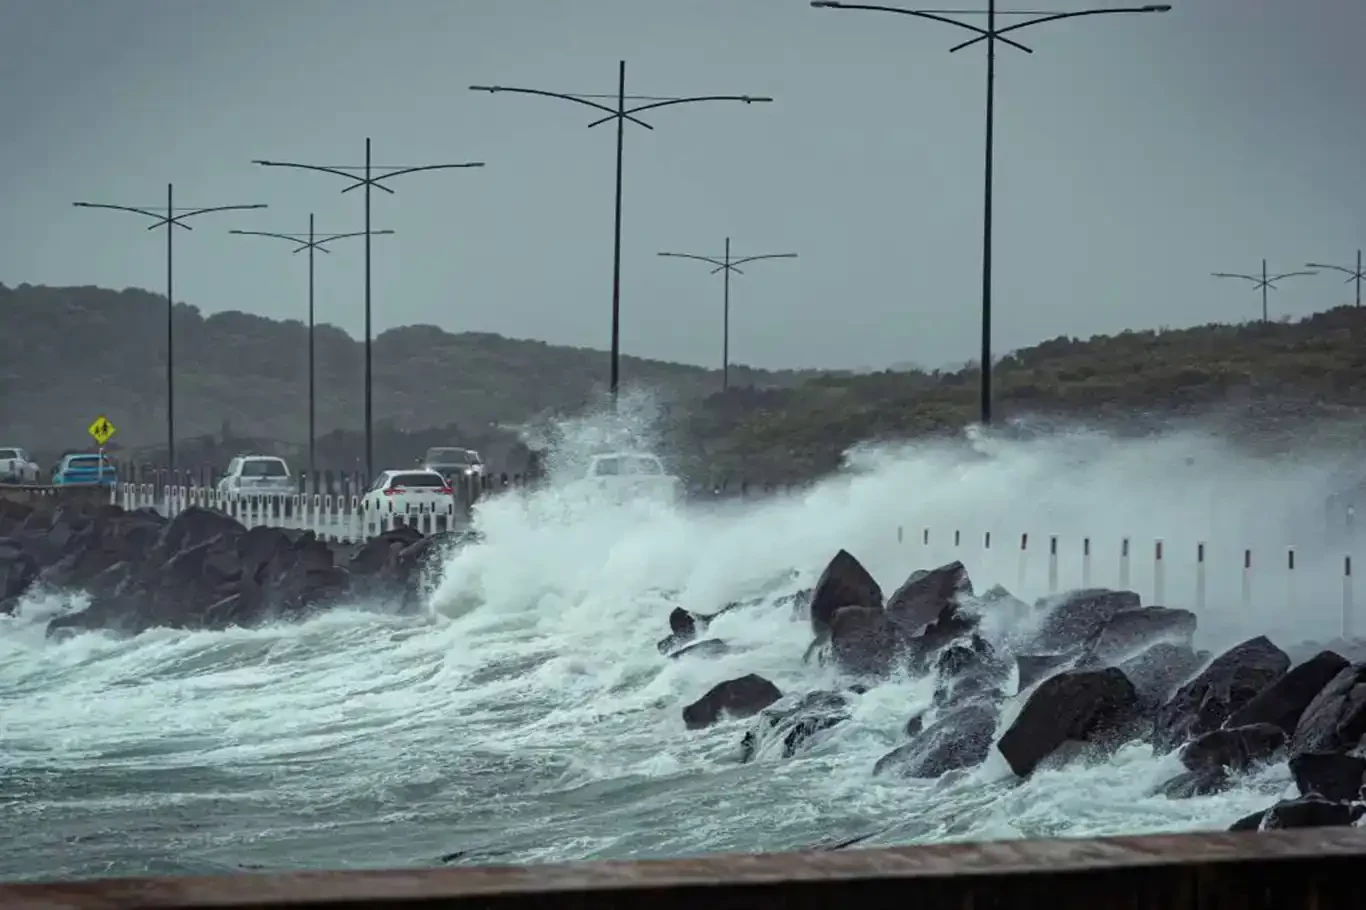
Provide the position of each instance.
(43, 493)
(1317, 868)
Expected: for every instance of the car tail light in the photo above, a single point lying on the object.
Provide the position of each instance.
(394, 490)
(445, 491)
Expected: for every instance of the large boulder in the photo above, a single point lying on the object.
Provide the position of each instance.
(1160, 670)
(1283, 702)
(960, 738)
(1076, 705)
(969, 670)
(18, 571)
(864, 641)
(1232, 680)
(790, 724)
(742, 697)
(927, 595)
(1074, 619)
(1331, 775)
(1335, 721)
(844, 583)
(1129, 632)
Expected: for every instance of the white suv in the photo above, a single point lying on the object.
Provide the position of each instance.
(15, 467)
(264, 475)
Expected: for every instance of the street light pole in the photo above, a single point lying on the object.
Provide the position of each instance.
(620, 113)
(371, 180)
(311, 242)
(171, 217)
(1355, 275)
(1263, 282)
(725, 265)
(991, 35)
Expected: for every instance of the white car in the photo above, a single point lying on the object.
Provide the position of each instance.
(15, 466)
(259, 475)
(624, 476)
(407, 492)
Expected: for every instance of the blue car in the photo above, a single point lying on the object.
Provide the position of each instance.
(84, 469)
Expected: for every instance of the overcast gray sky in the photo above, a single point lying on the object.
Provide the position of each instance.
(1135, 154)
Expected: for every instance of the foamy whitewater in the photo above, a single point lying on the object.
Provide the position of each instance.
(529, 717)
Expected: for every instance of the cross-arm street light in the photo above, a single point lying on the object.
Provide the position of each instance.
(621, 114)
(370, 181)
(1261, 282)
(311, 242)
(991, 35)
(726, 265)
(1353, 275)
(168, 218)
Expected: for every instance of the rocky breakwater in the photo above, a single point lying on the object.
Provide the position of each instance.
(1080, 675)
(198, 570)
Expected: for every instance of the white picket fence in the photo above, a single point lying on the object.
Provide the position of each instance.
(1200, 577)
(339, 519)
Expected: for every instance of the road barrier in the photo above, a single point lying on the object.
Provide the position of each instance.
(1317, 868)
(1146, 568)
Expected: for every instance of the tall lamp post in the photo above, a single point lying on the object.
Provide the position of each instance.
(725, 265)
(168, 218)
(991, 34)
(620, 114)
(369, 181)
(1355, 274)
(311, 242)
(1261, 282)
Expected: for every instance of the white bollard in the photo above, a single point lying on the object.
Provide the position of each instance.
(1124, 564)
(1247, 579)
(1200, 576)
(1086, 562)
(1290, 578)
(1053, 564)
(900, 538)
(1159, 576)
(1024, 555)
(1347, 630)
(957, 538)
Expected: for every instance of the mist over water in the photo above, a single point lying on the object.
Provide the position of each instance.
(529, 716)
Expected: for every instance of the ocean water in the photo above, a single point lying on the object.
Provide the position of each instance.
(528, 716)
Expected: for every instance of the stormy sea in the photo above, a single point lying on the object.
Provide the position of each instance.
(527, 714)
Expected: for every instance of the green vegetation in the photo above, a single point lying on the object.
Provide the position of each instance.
(67, 354)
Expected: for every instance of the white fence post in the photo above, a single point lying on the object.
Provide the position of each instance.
(1200, 576)
(1159, 575)
(1053, 564)
(1290, 577)
(1024, 556)
(1247, 579)
(1124, 564)
(1347, 598)
(1086, 562)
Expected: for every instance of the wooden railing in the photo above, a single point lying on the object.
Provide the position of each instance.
(1280, 870)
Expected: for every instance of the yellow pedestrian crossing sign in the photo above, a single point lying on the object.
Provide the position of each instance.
(102, 429)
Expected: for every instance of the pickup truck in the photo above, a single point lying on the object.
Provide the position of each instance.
(15, 466)
(623, 476)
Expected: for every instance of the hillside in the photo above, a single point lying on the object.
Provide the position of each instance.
(1265, 381)
(68, 354)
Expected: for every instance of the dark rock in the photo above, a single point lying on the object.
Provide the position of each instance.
(1251, 822)
(1284, 701)
(1033, 667)
(708, 647)
(1231, 681)
(1074, 619)
(969, 670)
(1310, 812)
(959, 739)
(916, 725)
(18, 571)
(684, 627)
(1233, 749)
(794, 724)
(926, 596)
(1335, 721)
(864, 641)
(1189, 784)
(844, 583)
(742, 697)
(376, 552)
(1077, 705)
(1160, 670)
(1329, 774)
(1131, 631)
